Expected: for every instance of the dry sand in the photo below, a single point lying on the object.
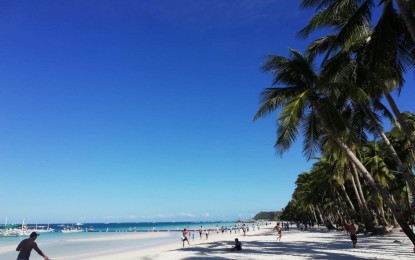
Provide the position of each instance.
(313, 244)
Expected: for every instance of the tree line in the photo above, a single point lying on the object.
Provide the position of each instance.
(268, 215)
(338, 96)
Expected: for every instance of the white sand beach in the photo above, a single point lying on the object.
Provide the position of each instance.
(261, 244)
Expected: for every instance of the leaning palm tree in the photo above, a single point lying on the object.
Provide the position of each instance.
(377, 62)
(343, 174)
(387, 48)
(305, 106)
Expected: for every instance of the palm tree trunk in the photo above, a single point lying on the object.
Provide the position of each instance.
(340, 208)
(359, 201)
(320, 214)
(367, 216)
(347, 198)
(326, 217)
(359, 186)
(365, 173)
(314, 213)
(382, 191)
(382, 217)
(407, 17)
(395, 223)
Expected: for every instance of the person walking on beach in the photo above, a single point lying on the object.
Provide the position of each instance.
(207, 234)
(278, 228)
(200, 232)
(25, 248)
(184, 237)
(352, 230)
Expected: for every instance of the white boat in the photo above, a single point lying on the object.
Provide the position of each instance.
(15, 232)
(41, 229)
(21, 230)
(9, 232)
(72, 230)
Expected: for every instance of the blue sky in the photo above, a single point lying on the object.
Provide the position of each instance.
(142, 110)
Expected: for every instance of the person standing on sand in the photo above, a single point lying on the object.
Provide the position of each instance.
(352, 229)
(278, 228)
(200, 232)
(26, 246)
(184, 237)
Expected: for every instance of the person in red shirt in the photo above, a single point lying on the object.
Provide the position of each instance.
(26, 246)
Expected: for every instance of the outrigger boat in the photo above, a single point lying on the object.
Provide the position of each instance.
(72, 229)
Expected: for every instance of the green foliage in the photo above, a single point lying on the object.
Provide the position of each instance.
(268, 215)
(294, 212)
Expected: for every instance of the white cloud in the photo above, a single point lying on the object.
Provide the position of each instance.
(186, 215)
(206, 215)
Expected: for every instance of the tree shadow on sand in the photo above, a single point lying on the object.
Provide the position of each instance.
(338, 247)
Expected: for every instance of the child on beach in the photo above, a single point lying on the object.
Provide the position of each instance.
(193, 236)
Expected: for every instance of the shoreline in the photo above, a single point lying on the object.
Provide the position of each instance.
(316, 243)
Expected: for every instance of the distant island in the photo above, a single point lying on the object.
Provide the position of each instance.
(268, 215)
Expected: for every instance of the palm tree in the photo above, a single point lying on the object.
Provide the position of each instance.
(305, 106)
(373, 160)
(387, 48)
(373, 60)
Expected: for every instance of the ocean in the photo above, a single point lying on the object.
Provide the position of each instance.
(58, 245)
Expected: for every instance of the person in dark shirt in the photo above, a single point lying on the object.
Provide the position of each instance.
(238, 245)
(26, 246)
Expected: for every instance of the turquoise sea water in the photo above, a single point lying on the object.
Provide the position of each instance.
(58, 245)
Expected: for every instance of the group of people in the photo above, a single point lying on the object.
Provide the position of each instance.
(186, 235)
(27, 245)
(349, 227)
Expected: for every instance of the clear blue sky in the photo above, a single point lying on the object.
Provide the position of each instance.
(142, 110)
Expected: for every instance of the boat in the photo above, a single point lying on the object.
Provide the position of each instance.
(41, 229)
(72, 229)
(9, 233)
(8, 230)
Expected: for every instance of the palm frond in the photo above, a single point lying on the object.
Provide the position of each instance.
(357, 26)
(288, 122)
(329, 15)
(311, 134)
(320, 46)
(273, 98)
